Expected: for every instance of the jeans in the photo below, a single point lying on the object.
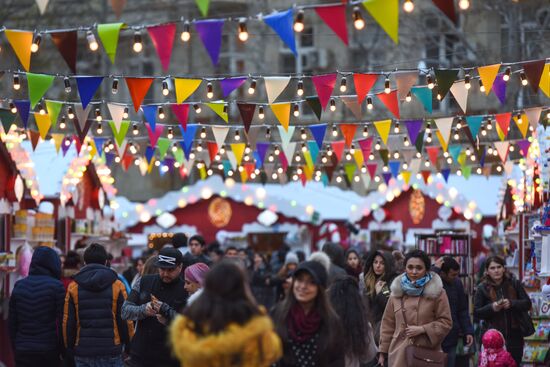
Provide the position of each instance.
(451, 355)
(99, 361)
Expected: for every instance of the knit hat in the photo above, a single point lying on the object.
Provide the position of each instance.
(197, 272)
(316, 270)
(291, 258)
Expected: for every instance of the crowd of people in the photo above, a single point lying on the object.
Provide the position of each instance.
(190, 304)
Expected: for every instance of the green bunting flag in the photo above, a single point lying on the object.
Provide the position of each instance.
(38, 86)
(108, 33)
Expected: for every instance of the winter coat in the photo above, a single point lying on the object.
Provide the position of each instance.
(92, 323)
(253, 344)
(36, 305)
(262, 288)
(504, 321)
(430, 310)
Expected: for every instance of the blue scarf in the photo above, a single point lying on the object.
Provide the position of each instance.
(414, 289)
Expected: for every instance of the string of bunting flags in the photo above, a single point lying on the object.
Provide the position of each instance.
(284, 23)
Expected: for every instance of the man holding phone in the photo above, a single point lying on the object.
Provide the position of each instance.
(150, 346)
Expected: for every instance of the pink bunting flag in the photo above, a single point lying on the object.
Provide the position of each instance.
(366, 146)
(182, 112)
(163, 39)
(335, 17)
(154, 135)
(372, 167)
(324, 85)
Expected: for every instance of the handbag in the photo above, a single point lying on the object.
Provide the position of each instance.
(525, 324)
(420, 356)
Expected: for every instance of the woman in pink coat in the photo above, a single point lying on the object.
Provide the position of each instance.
(419, 296)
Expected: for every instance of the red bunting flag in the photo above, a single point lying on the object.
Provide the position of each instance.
(372, 167)
(35, 138)
(182, 112)
(324, 85)
(138, 88)
(67, 44)
(338, 148)
(426, 176)
(363, 85)
(212, 150)
(447, 7)
(163, 39)
(503, 121)
(335, 17)
(390, 101)
(433, 153)
(348, 130)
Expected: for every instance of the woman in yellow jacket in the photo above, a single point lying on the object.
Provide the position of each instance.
(225, 327)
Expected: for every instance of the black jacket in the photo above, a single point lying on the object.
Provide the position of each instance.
(376, 303)
(150, 344)
(36, 305)
(92, 322)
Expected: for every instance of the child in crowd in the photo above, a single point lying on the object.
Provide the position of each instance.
(493, 352)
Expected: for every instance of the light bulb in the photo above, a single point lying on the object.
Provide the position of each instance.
(464, 4)
(186, 34)
(299, 22)
(170, 134)
(406, 142)
(277, 151)
(396, 128)
(135, 130)
(41, 109)
(430, 81)
(13, 108)
(62, 123)
(523, 78)
(303, 134)
(300, 88)
(203, 133)
(467, 83)
(370, 106)
(343, 85)
(507, 73)
(365, 132)
(98, 115)
(408, 98)
(243, 32)
(358, 21)
(67, 84)
(408, 6)
(92, 42)
(261, 114)
(237, 136)
(252, 87)
(296, 110)
(387, 88)
(332, 105)
(36, 43)
(70, 112)
(165, 90)
(138, 46)
(481, 86)
(197, 108)
(114, 86)
(161, 113)
(209, 91)
(16, 82)
(125, 113)
(334, 131)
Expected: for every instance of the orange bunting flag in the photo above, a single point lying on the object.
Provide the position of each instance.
(426, 176)
(21, 42)
(390, 101)
(338, 148)
(488, 75)
(522, 124)
(363, 85)
(138, 88)
(282, 113)
(348, 130)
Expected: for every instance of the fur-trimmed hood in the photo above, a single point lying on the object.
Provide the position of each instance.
(432, 290)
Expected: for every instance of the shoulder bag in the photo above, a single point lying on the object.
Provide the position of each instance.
(420, 356)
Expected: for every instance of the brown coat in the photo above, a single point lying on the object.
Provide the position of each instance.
(431, 310)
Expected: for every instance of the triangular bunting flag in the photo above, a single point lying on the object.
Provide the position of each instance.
(118, 7)
(533, 72)
(445, 126)
(282, 23)
(210, 32)
(34, 137)
(445, 79)
(247, 111)
(413, 129)
(533, 116)
(446, 172)
(444, 143)
(383, 127)
(433, 153)
(188, 138)
(138, 88)
(81, 128)
(212, 150)
(121, 148)
(315, 106)
(408, 155)
(163, 39)
(252, 135)
(386, 13)
(238, 150)
(426, 175)
(203, 6)
(524, 146)
(338, 148)
(7, 119)
(419, 143)
(220, 133)
(406, 177)
(460, 93)
(544, 84)
(149, 153)
(38, 85)
(394, 167)
(150, 113)
(404, 81)
(350, 169)
(424, 94)
(120, 132)
(502, 149)
(274, 86)
(372, 167)
(117, 113)
(474, 123)
(220, 109)
(488, 75)
(318, 132)
(87, 86)
(23, 108)
(98, 142)
(288, 150)
(67, 44)
(185, 87)
(21, 42)
(499, 88)
(348, 130)
(390, 101)
(54, 108)
(387, 177)
(454, 150)
(282, 113)
(154, 134)
(334, 16)
(447, 7)
(162, 146)
(108, 34)
(42, 4)
(262, 148)
(366, 146)
(363, 85)
(230, 84)
(522, 124)
(466, 172)
(182, 112)
(286, 135)
(313, 150)
(43, 122)
(353, 105)
(503, 121)
(58, 139)
(359, 159)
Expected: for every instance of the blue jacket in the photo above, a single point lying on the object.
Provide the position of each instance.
(92, 323)
(36, 305)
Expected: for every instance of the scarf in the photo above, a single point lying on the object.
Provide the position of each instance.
(301, 327)
(414, 289)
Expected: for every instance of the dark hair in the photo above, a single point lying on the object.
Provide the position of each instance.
(179, 240)
(418, 254)
(449, 264)
(336, 254)
(330, 333)
(346, 300)
(199, 239)
(494, 259)
(95, 254)
(301, 256)
(230, 248)
(226, 299)
(72, 260)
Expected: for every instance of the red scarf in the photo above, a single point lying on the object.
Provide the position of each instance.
(302, 326)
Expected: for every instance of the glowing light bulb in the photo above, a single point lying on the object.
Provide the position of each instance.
(299, 22)
(186, 34)
(243, 32)
(92, 42)
(138, 45)
(358, 21)
(408, 6)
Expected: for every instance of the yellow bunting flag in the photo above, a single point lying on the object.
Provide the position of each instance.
(202, 172)
(151, 165)
(500, 133)
(43, 122)
(308, 172)
(282, 112)
(522, 124)
(383, 127)
(444, 144)
(238, 150)
(386, 13)
(544, 84)
(406, 176)
(488, 75)
(58, 140)
(462, 158)
(309, 161)
(21, 42)
(91, 143)
(359, 159)
(185, 87)
(244, 176)
(220, 109)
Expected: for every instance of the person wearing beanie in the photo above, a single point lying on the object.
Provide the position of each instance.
(493, 351)
(194, 280)
(36, 312)
(291, 258)
(280, 280)
(306, 322)
(93, 329)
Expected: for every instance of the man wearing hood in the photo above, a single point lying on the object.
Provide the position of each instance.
(36, 311)
(337, 257)
(92, 324)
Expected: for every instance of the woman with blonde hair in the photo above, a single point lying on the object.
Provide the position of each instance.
(225, 327)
